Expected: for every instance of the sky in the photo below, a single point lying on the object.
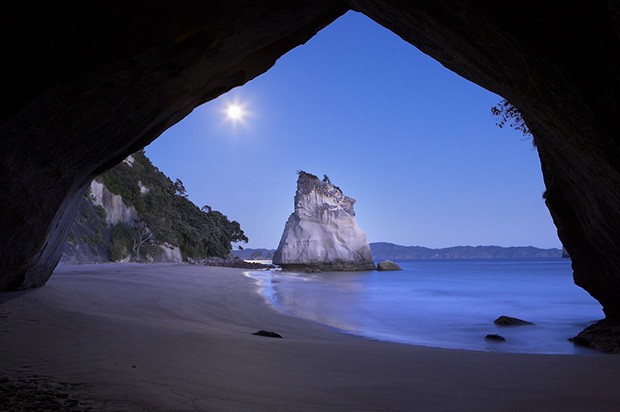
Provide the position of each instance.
(414, 143)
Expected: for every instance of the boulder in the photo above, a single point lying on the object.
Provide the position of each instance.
(510, 321)
(495, 337)
(387, 265)
(603, 336)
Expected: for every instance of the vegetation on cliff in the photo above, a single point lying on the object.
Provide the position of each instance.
(507, 114)
(165, 216)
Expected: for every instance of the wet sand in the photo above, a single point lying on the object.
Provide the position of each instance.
(179, 337)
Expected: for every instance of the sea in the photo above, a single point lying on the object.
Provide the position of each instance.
(444, 303)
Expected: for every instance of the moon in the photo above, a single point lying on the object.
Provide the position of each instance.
(235, 112)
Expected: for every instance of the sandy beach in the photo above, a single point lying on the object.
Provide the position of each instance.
(179, 337)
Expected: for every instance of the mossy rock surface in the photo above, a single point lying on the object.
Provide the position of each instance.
(387, 265)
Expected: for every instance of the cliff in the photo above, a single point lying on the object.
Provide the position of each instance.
(89, 238)
(135, 212)
(321, 234)
(103, 219)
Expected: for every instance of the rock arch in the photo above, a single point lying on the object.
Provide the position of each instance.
(90, 82)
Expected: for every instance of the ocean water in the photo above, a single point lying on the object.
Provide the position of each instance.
(446, 304)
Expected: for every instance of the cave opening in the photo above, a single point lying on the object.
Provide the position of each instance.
(94, 93)
(90, 83)
(415, 144)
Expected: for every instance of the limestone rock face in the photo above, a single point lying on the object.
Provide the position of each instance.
(321, 234)
(89, 240)
(114, 206)
(170, 254)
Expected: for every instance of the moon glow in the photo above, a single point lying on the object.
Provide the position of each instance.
(235, 112)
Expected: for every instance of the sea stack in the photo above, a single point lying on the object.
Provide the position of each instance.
(321, 234)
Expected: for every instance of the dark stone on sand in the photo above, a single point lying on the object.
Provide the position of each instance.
(387, 265)
(495, 337)
(510, 321)
(603, 336)
(267, 333)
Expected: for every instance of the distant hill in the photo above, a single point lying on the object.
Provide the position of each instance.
(384, 250)
(254, 254)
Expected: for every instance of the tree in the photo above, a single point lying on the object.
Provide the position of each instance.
(121, 241)
(235, 233)
(179, 188)
(506, 113)
(141, 236)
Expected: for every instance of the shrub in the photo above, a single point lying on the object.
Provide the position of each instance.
(121, 242)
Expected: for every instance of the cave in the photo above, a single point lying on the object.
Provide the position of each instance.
(87, 84)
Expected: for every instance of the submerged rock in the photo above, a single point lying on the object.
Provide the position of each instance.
(495, 337)
(387, 265)
(510, 321)
(321, 234)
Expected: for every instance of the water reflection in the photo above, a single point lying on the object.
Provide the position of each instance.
(449, 304)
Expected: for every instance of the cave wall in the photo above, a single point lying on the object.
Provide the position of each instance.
(100, 80)
(88, 83)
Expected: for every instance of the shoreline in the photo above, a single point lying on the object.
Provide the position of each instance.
(179, 337)
(319, 298)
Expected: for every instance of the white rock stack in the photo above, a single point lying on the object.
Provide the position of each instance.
(321, 234)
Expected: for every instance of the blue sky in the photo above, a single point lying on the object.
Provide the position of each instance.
(412, 142)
